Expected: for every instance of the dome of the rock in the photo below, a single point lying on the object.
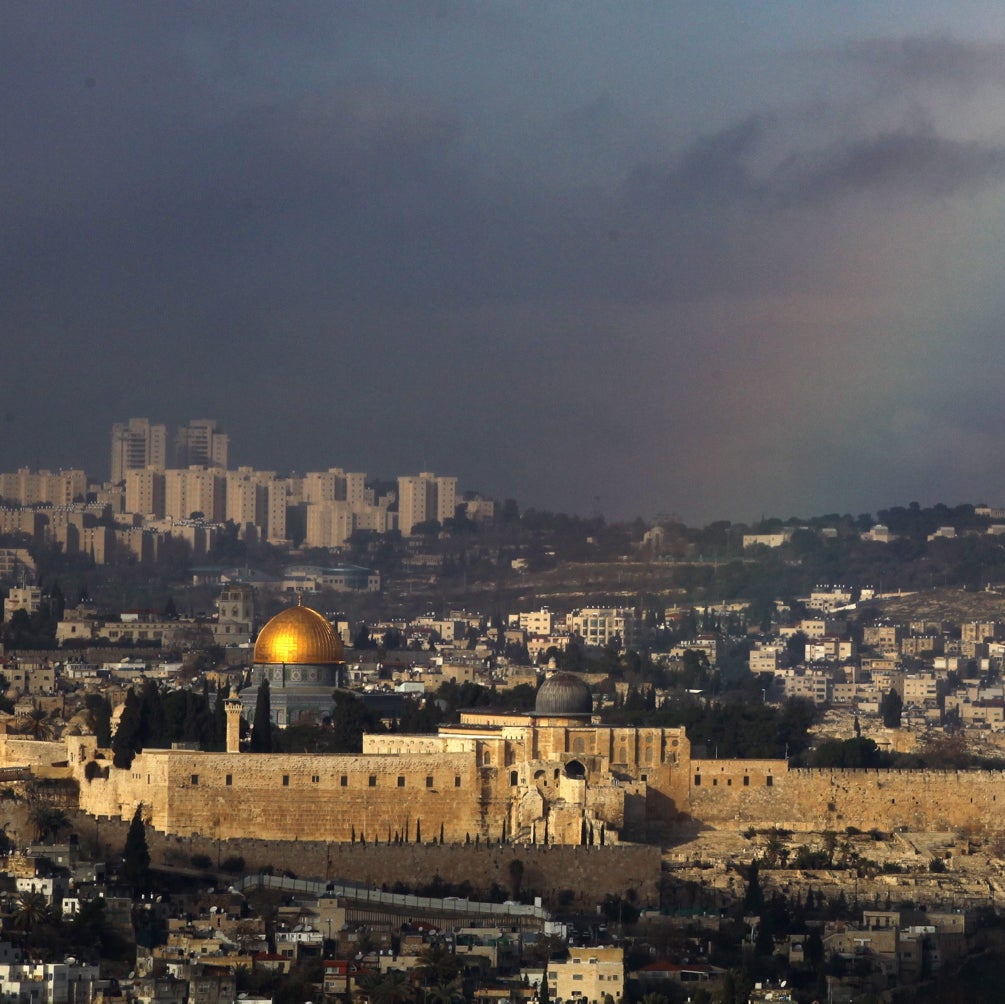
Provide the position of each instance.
(562, 695)
(298, 636)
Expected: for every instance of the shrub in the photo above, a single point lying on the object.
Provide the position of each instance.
(201, 861)
(233, 864)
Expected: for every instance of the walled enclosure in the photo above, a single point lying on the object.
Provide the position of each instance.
(421, 789)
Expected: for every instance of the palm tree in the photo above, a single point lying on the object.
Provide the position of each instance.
(37, 724)
(30, 910)
(437, 965)
(392, 987)
(48, 821)
(445, 993)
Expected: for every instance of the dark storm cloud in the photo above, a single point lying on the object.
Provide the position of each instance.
(907, 62)
(392, 236)
(915, 162)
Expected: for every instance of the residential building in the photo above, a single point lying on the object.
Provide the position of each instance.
(145, 491)
(425, 497)
(201, 443)
(588, 976)
(137, 444)
(597, 626)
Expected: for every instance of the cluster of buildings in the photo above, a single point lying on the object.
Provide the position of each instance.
(937, 668)
(154, 497)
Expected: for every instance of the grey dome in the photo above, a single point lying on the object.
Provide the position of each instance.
(564, 694)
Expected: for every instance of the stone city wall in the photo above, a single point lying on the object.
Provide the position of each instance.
(308, 797)
(589, 872)
(822, 799)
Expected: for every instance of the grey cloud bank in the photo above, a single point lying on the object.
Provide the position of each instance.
(644, 259)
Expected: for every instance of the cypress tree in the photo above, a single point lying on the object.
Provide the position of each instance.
(136, 854)
(101, 715)
(125, 745)
(153, 725)
(220, 719)
(261, 729)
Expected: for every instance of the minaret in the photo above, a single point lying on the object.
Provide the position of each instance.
(232, 706)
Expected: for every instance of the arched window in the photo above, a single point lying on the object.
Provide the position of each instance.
(575, 770)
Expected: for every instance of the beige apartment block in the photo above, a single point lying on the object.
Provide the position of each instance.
(425, 497)
(599, 626)
(201, 443)
(29, 488)
(26, 598)
(137, 444)
(882, 637)
(588, 976)
(145, 492)
(196, 489)
(247, 497)
(16, 562)
(536, 621)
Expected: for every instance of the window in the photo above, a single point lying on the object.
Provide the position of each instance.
(746, 780)
(769, 781)
(343, 781)
(514, 778)
(229, 780)
(429, 781)
(401, 781)
(457, 781)
(697, 780)
(286, 780)
(645, 778)
(195, 778)
(315, 778)
(373, 781)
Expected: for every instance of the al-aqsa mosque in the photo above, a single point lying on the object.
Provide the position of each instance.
(302, 657)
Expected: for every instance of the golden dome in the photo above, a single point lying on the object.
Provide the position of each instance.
(298, 636)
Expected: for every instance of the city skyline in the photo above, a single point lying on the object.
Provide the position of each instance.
(716, 261)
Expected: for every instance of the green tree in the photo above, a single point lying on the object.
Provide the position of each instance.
(136, 854)
(437, 965)
(261, 729)
(153, 725)
(890, 708)
(37, 724)
(48, 821)
(125, 744)
(100, 712)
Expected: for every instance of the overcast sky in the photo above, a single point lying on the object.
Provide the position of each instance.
(715, 259)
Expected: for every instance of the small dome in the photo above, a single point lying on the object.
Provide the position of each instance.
(562, 695)
(298, 636)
